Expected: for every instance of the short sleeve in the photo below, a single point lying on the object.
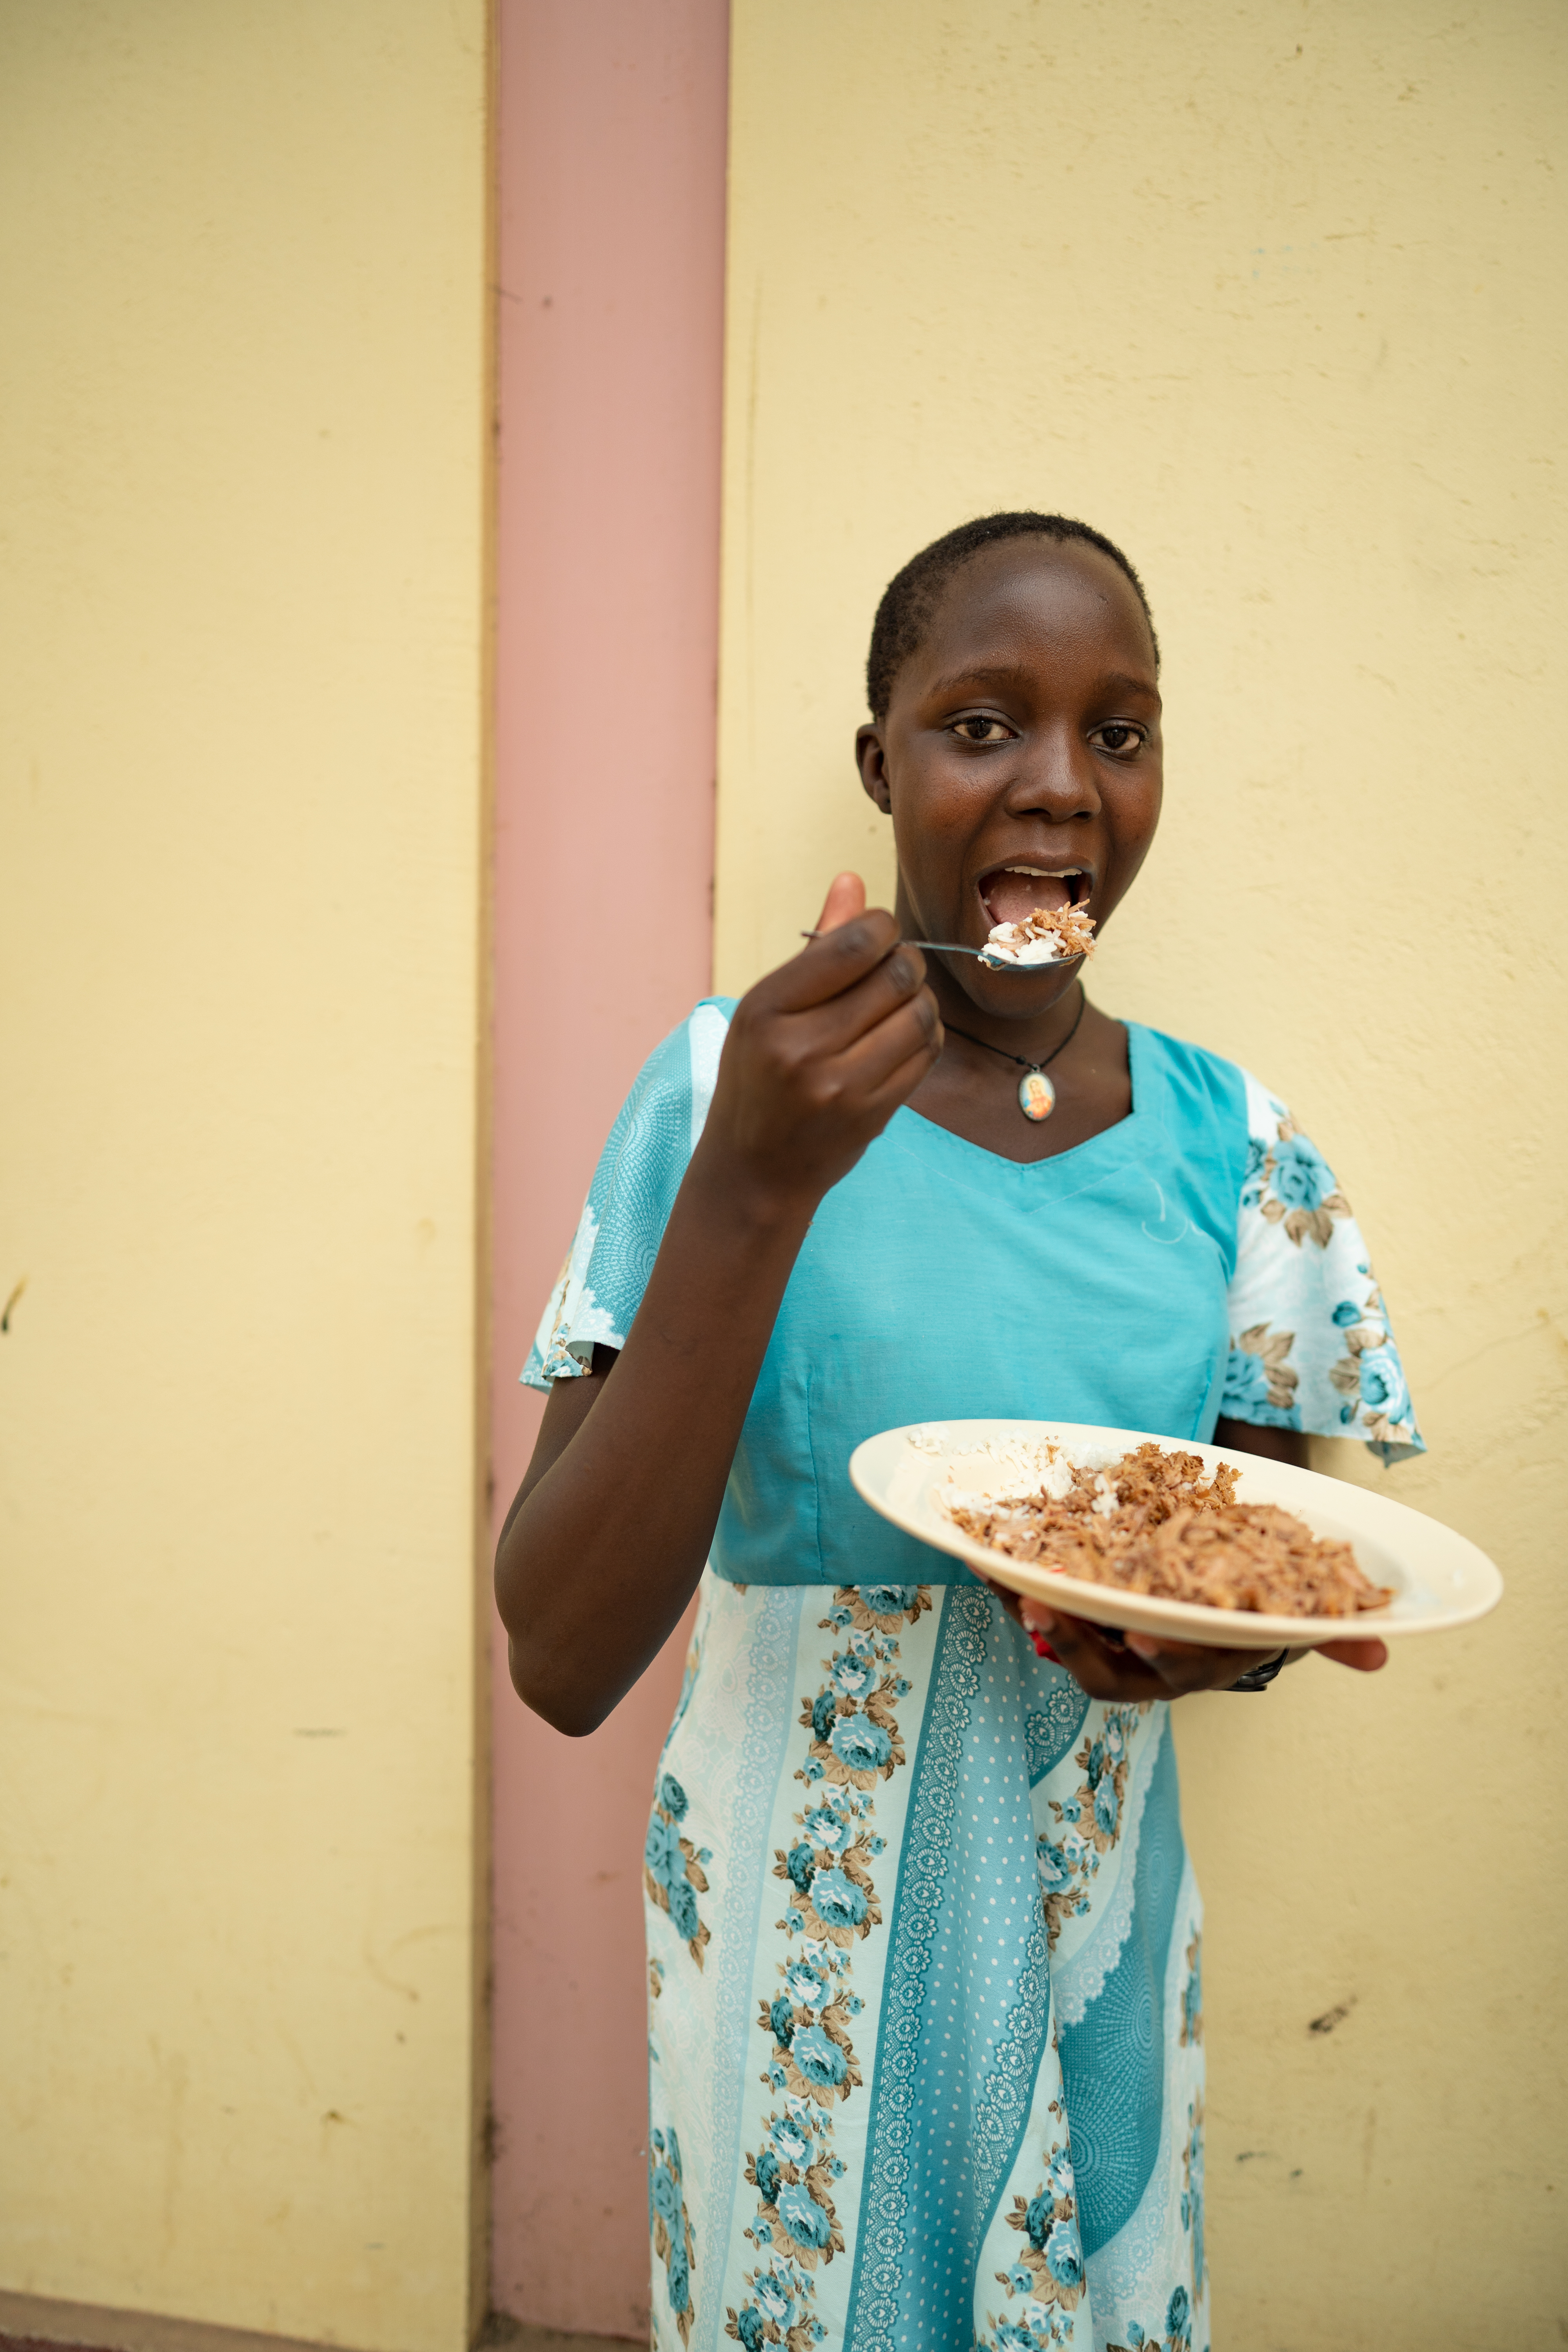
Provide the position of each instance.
(629, 1201)
(1311, 1347)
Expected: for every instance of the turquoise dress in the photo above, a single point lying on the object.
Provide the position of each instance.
(924, 1943)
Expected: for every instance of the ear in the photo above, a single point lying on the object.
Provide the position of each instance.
(871, 759)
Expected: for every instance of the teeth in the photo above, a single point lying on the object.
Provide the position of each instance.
(1045, 873)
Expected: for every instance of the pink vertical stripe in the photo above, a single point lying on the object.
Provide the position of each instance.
(611, 134)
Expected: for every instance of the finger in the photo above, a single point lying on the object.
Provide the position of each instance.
(1097, 1669)
(1004, 1595)
(825, 968)
(847, 1018)
(845, 898)
(1151, 1646)
(900, 1083)
(1039, 1624)
(896, 1037)
(904, 1069)
(1167, 1669)
(1186, 1666)
(1364, 1657)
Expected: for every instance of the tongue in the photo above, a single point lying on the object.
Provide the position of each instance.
(1011, 897)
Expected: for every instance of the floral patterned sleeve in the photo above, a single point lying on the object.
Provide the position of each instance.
(634, 1188)
(1310, 1347)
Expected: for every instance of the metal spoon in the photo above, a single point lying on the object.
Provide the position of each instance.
(992, 962)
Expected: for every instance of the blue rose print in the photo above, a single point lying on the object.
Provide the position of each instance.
(1021, 2279)
(819, 2058)
(775, 2297)
(837, 1901)
(828, 1830)
(1252, 1175)
(805, 1984)
(683, 1908)
(1300, 1177)
(1383, 1388)
(680, 2278)
(770, 2179)
(852, 1674)
(1178, 2313)
(789, 2141)
(666, 2195)
(1064, 2254)
(749, 2326)
(800, 1861)
(662, 1851)
(1060, 2174)
(802, 2217)
(861, 1744)
(1052, 1862)
(781, 2017)
(1107, 1805)
(1245, 1395)
(672, 1796)
(823, 1709)
(1346, 1312)
(1245, 1385)
(888, 1600)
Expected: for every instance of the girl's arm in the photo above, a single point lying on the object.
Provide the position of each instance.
(611, 1527)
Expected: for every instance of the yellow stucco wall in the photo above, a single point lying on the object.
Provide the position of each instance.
(1271, 295)
(243, 477)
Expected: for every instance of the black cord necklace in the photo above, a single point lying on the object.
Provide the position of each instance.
(1037, 1096)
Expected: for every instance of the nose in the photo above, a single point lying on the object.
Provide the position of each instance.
(1055, 778)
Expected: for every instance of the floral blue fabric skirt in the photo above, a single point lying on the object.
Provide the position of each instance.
(926, 2027)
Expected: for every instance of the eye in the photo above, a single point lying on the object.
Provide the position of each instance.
(977, 728)
(1120, 737)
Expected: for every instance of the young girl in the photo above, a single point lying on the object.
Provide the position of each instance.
(926, 2037)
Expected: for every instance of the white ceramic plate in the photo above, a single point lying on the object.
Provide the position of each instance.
(1439, 1578)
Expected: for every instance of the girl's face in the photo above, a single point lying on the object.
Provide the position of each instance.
(1020, 758)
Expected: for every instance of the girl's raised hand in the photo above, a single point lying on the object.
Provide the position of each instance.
(820, 1054)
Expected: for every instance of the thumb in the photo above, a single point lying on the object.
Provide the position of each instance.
(1366, 1657)
(846, 900)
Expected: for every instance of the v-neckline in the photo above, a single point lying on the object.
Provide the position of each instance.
(1124, 1138)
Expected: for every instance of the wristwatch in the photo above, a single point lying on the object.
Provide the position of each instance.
(1257, 1678)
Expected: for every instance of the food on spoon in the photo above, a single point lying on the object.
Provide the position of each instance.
(1049, 935)
(1151, 1522)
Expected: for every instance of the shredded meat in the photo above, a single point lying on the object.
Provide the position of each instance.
(1068, 928)
(1151, 1523)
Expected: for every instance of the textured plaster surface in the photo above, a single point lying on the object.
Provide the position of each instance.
(1269, 294)
(242, 472)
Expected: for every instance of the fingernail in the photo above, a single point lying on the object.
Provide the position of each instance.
(1145, 1644)
(1042, 1648)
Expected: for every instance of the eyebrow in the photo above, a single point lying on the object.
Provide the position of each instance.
(1009, 674)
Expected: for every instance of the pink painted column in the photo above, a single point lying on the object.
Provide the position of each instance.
(612, 144)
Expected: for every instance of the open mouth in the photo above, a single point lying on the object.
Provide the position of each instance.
(1011, 894)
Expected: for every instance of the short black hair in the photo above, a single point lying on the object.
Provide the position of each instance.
(911, 596)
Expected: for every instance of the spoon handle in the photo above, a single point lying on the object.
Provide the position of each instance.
(937, 947)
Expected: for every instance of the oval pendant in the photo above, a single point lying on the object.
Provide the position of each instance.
(1037, 1096)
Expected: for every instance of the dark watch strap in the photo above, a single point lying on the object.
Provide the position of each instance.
(1257, 1678)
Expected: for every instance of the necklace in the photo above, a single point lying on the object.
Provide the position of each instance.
(1037, 1096)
